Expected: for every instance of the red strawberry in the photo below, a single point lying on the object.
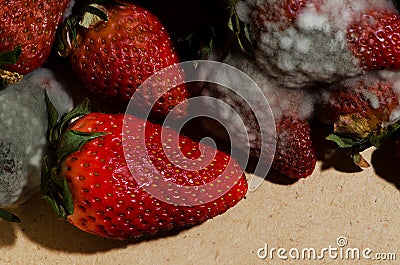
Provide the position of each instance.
(114, 57)
(140, 191)
(370, 99)
(374, 38)
(31, 25)
(295, 156)
(283, 13)
(303, 43)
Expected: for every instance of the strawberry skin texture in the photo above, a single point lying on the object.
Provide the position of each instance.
(376, 44)
(107, 198)
(115, 57)
(295, 155)
(283, 13)
(32, 25)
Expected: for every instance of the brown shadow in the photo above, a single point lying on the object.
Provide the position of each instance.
(7, 233)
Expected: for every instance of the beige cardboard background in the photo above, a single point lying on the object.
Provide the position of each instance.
(334, 202)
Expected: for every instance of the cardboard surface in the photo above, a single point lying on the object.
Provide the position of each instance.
(314, 213)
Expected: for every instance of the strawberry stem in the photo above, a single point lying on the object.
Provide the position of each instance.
(56, 129)
(239, 29)
(10, 57)
(357, 145)
(56, 195)
(85, 14)
(96, 10)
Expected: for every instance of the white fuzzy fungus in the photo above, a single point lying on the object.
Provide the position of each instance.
(313, 47)
(23, 127)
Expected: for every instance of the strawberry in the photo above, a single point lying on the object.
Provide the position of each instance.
(286, 128)
(117, 194)
(114, 57)
(23, 123)
(31, 25)
(376, 44)
(371, 99)
(295, 155)
(304, 43)
(364, 111)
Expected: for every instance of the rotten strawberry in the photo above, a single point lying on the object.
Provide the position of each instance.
(373, 98)
(295, 155)
(364, 111)
(306, 42)
(286, 128)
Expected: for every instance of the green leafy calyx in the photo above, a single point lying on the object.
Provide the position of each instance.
(55, 189)
(9, 57)
(358, 142)
(10, 217)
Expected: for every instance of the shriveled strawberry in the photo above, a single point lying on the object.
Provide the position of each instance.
(31, 25)
(362, 104)
(295, 155)
(114, 57)
(124, 185)
(286, 127)
(303, 43)
(364, 111)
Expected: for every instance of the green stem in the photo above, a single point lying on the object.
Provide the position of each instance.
(10, 217)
